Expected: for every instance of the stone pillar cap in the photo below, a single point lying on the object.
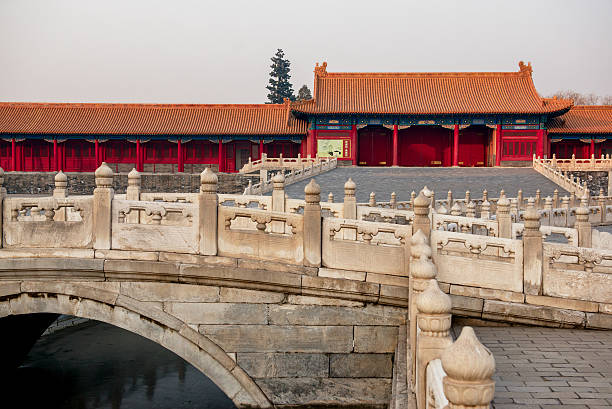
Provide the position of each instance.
(467, 359)
(134, 174)
(208, 177)
(312, 188)
(104, 171)
(433, 300)
(278, 178)
(350, 185)
(60, 177)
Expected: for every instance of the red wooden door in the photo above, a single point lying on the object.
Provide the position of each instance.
(79, 156)
(375, 146)
(472, 146)
(425, 146)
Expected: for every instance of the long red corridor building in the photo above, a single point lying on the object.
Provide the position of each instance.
(368, 119)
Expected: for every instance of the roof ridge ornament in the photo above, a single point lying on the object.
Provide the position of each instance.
(321, 70)
(525, 69)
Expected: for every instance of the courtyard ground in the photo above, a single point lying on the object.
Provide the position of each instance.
(383, 181)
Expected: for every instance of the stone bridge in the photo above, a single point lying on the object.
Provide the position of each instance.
(285, 302)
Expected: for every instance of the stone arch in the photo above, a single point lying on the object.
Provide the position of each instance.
(80, 300)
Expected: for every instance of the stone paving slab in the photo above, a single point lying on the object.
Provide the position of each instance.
(548, 368)
(383, 181)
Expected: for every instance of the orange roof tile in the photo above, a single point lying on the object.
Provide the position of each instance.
(428, 93)
(583, 119)
(149, 119)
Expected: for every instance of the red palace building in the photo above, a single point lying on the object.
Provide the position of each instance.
(368, 119)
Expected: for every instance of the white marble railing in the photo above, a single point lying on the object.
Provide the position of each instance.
(547, 169)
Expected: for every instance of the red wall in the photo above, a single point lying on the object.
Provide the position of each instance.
(473, 142)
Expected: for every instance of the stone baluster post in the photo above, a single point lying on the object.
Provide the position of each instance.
(470, 210)
(102, 206)
(312, 225)
(573, 160)
(422, 270)
(565, 204)
(330, 198)
(349, 210)
(456, 210)
(442, 210)
(278, 201)
(434, 321)
(208, 204)
(61, 185)
(610, 183)
(538, 199)
(485, 195)
(532, 251)
(449, 199)
(372, 202)
(572, 201)
(393, 201)
(469, 367)
(2, 196)
(554, 160)
(555, 198)
(504, 220)
(601, 202)
(519, 199)
(548, 206)
(421, 214)
(467, 197)
(412, 197)
(60, 192)
(485, 210)
(583, 225)
(350, 202)
(514, 213)
(133, 193)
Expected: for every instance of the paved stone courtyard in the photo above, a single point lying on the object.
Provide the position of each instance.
(548, 368)
(383, 181)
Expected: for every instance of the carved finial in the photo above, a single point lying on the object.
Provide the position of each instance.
(330, 198)
(279, 181)
(104, 176)
(134, 177)
(349, 187)
(321, 70)
(312, 192)
(525, 69)
(419, 245)
(456, 209)
(433, 300)
(469, 366)
(208, 181)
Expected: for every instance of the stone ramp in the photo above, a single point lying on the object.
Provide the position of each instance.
(546, 368)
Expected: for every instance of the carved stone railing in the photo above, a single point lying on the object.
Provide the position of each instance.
(604, 163)
(548, 169)
(457, 374)
(279, 163)
(293, 176)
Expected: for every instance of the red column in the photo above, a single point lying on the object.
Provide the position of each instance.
(97, 152)
(540, 145)
(354, 144)
(456, 146)
(138, 155)
(592, 147)
(13, 155)
(261, 149)
(313, 152)
(20, 154)
(221, 157)
(179, 151)
(498, 145)
(55, 159)
(395, 137)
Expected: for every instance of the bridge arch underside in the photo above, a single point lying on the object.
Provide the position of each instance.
(50, 298)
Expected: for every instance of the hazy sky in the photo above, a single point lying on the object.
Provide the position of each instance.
(185, 51)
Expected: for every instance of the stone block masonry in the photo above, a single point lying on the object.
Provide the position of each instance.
(83, 183)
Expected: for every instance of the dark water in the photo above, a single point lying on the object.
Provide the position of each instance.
(96, 365)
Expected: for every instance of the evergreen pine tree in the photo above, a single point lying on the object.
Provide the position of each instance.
(280, 87)
(304, 93)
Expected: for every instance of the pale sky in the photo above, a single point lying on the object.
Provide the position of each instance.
(196, 51)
